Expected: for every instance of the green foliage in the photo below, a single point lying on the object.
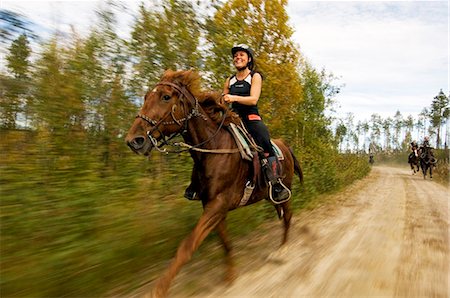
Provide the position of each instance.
(160, 40)
(441, 172)
(439, 113)
(13, 100)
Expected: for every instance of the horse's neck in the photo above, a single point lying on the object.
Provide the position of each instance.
(205, 132)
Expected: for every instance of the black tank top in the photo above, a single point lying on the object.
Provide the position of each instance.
(242, 88)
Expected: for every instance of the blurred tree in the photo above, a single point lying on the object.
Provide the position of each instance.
(365, 130)
(375, 134)
(439, 114)
(409, 124)
(18, 58)
(398, 125)
(109, 106)
(422, 122)
(409, 127)
(16, 87)
(349, 136)
(161, 40)
(182, 33)
(387, 125)
(341, 131)
(48, 102)
(143, 46)
(312, 124)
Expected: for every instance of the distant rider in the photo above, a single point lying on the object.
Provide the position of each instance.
(414, 148)
(426, 146)
(426, 142)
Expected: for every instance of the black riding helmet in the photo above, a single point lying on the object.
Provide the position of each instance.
(248, 50)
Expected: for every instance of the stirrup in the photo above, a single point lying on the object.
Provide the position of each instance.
(276, 201)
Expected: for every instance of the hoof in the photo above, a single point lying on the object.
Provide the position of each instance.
(160, 290)
(230, 276)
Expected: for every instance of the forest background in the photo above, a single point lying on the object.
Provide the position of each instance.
(83, 216)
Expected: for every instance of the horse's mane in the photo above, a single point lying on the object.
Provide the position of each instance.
(210, 101)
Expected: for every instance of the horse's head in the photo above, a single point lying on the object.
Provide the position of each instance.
(165, 112)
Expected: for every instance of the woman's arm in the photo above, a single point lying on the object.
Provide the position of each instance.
(226, 87)
(255, 92)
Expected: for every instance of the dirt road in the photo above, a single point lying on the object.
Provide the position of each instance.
(386, 235)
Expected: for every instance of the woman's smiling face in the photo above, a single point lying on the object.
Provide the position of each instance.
(240, 59)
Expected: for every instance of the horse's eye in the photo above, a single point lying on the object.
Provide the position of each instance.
(166, 97)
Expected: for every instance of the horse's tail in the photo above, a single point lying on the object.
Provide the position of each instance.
(297, 168)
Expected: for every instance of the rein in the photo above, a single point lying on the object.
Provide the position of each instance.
(193, 113)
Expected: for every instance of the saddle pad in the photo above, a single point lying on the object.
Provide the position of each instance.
(241, 141)
(246, 144)
(278, 152)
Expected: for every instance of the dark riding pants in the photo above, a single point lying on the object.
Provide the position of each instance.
(260, 134)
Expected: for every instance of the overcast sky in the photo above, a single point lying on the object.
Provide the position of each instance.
(390, 55)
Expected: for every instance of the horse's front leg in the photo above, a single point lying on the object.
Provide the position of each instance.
(214, 212)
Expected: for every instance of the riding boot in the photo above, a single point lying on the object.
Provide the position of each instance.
(191, 192)
(278, 192)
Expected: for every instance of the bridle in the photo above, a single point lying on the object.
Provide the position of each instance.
(156, 124)
(195, 112)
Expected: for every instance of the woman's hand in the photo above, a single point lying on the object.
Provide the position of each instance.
(229, 98)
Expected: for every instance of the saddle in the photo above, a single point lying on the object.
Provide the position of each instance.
(250, 151)
(247, 145)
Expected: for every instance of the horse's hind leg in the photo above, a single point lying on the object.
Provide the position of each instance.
(287, 215)
(223, 235)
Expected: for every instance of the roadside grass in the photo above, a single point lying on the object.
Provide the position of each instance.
(72, 228)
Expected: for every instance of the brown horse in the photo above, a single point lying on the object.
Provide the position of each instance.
(427, 161)
(177, 106)
(413, 161)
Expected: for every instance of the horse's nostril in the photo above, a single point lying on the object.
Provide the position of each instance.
(137, 143)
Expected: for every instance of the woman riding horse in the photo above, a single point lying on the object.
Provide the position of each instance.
(426, 158)
(242, 91)
(413, 158)
(176, 106)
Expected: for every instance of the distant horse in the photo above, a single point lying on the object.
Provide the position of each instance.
(176, 106)
(427, 161)
(371, 159)
(413, 161)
